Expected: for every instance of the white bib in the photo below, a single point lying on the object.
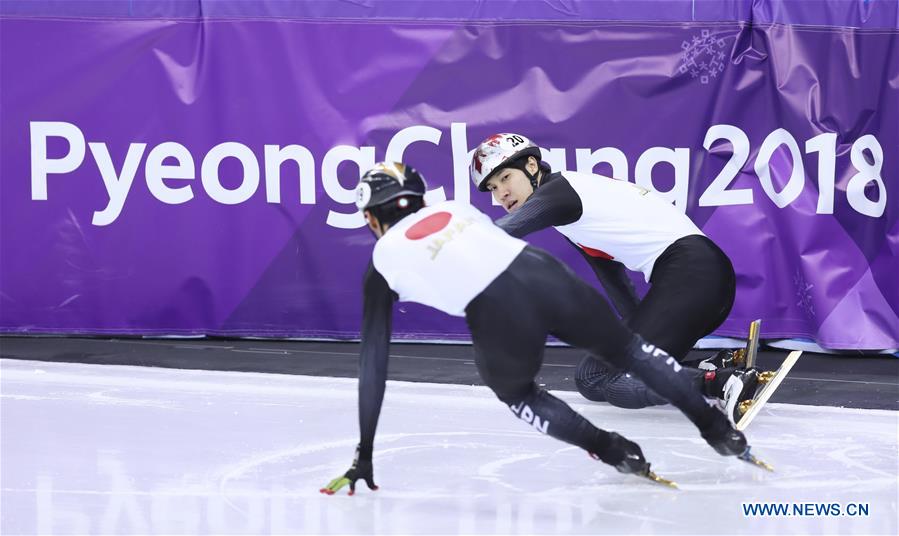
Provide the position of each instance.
(443, 256)
(628, 223)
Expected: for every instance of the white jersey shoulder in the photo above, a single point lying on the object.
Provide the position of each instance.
(627, 222)
(444, 255)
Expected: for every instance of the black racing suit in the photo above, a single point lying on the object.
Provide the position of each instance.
(692, 291)
(509, 320)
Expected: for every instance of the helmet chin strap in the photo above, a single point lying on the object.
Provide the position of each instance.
(532, 177)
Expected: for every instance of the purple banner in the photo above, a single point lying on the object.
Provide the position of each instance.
(194, 175)
(868, 14)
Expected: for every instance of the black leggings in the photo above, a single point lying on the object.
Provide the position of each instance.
(536, 296)
(692, 292)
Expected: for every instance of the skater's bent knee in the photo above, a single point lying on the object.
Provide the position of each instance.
(591, 390)
(511, 394)
(590, 377)
(591, 368)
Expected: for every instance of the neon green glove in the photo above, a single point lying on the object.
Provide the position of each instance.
(361, 469)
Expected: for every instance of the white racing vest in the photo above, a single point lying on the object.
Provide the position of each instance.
(444, 256)
(628, 223)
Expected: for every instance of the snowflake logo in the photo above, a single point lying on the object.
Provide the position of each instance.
(703, 57)
(803, 293)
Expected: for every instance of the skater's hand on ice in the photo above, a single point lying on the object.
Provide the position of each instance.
(361, 470)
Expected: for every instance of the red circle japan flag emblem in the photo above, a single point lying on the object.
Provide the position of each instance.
(429, 225)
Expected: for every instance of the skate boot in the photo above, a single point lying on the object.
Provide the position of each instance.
(626, 456)
(723, 359)
(729, 388)
(622, 454)
(740, 386)
(726, 441)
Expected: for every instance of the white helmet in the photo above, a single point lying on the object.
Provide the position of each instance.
(497, 152)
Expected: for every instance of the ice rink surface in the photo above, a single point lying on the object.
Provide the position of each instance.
(129, 450)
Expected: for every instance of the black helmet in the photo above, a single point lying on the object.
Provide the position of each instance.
(388, 181)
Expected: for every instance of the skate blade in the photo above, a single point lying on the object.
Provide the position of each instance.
(749, 458)
(659, 480)
(752, 344)
(749, 409)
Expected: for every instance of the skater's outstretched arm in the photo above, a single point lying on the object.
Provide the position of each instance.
(377, 325)
(554, 203)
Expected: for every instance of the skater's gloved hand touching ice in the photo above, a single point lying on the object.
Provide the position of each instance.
(361, 470)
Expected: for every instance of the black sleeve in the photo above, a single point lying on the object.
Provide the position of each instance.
(613, 277)
(377, 325)
(553, 203)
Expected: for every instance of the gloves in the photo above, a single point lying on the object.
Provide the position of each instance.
(361, 469)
